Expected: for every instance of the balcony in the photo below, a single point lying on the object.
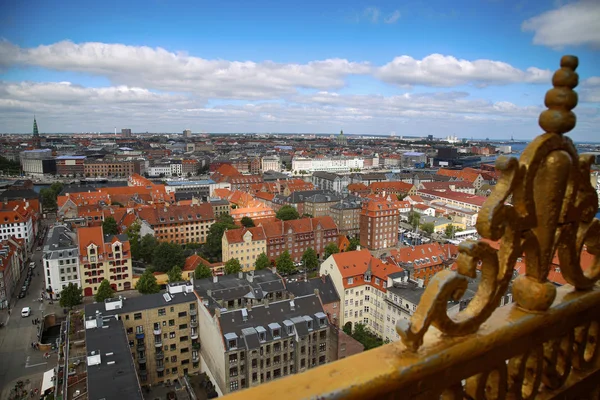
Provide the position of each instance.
(194, 323)
(193, 312)
(157, 330)
(159, 355)
(194, 333)
(142, 359)
(543, 346)
(160, 367)
(139, 335)
(140, 345)
(195, 356)
(143, 373)
(157, 341)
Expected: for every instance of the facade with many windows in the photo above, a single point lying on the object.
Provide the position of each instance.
(379, 220)
(179, 224)
(60, 260)
(162, 331)
(245, 244)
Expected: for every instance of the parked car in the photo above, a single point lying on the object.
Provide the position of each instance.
(32, 265)
(24, 288)
(22, 294)
(25, 312)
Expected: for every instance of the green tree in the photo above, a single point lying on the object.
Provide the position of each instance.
(226, 218)
(166, 255)
(147, 246)
(105, 291)
(212, 247)
(310, 259)
(428, 227)
(330, 249)
(365, 337)
(401, 196)
(147, 283)
(449, 231)
(232, 266)
(133, 234)
(71, 296)
(262, 262)
(48, 199)
(347, 328)
(247, 222)
(287, 213)
(414, 218)
(354, 243)
(284, 263)
(109, 226)
(174, 274)
(56, 188)
(202, 271)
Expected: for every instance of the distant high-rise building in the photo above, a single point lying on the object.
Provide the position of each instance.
(36, 135)
(187, 133)
(126, 132)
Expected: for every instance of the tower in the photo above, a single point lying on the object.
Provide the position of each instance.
(36, 134)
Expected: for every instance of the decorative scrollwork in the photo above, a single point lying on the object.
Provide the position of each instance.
(552, 212)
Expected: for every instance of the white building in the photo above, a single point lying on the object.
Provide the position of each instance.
(158, 170)
(14, 223)
(361, 281)
(60, 259)
(176, 168)
(337, 164)
(271, 163)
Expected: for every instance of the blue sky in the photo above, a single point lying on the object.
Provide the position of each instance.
(413, 68)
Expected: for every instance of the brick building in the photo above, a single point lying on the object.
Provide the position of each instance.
(70, 165)
(100, 168)
(379, 220)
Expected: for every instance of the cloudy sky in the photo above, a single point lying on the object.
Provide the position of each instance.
(471, 68)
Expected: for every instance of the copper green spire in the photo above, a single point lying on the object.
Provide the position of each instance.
(35, 127)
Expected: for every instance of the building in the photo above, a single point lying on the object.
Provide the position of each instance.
(38, 162)
(245, 244)
(379, 220)
(361, 281)
(103, 257)
(160, 170)
(271, 163)
(187, 133)
(126, 133)
(36, 135)
(296, 236)
(323, 287)
(346, 215)
(414, 159)
(60, 260)
(101, 168)
(423, 261)
(457, 199)
(12, 262)
(18, 221)
(397, 188)
(189, 167)
(200, 188)
(318, 204)
(110, 369)
(178, 223)
(161, 330)
(341, 140)
(335, 164)
(70, 165)
(262, 342)
(329, 181)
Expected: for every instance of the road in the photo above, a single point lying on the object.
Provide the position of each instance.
(18, 360)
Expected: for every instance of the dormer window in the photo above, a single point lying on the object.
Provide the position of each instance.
(290, 330)
(92, 251)
(117, 248)
(262, 337)
(276, 334)
(367, 278)
(350, 281)
(321, 322)
(232, 344)
(310, 325)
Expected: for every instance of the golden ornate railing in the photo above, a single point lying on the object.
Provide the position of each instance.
(542, 346)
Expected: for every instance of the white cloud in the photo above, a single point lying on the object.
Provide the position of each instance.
(372, 14)
(574, 24)
(393, 17)
(589, 90)
(446, 71)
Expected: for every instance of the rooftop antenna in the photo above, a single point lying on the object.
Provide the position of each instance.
(115, 131)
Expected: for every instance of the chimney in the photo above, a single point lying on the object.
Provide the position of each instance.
(98, 319)
(240, 275)
(208, 293)
(250, 276)
(266, 303)
(316, 292)
(249, 305)
(215, 279)
(217, 312)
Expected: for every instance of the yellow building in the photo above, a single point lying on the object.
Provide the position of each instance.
(103, 257)
(245, 244)
(162, 331)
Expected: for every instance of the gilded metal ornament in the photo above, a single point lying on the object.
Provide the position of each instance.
(552, 212)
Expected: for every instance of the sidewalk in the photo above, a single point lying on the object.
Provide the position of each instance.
(30, 383)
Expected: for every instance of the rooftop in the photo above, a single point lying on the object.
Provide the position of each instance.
(324, 284)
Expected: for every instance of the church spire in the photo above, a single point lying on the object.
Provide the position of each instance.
(35, 127)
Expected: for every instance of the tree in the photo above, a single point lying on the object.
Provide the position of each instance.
(247, 222)
(202, 272)
(174, 274)
(354, 243)
(347, 328)
(226, 218)
(232, 266)
(365, 337)
(428, 227)
(109, 226)
(401, 196)
(330, 249)
(133, 234)
(71, 296)
(262, 262)
(449, 231)
(213, 245)
(166, 255)
(414, 218)
(284, 263)
(105, 291)
(310, 259)
(147, 283)
(287, 213)
(48, 199)
(147, 246)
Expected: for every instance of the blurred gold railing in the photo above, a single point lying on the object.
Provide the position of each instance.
(542, 346)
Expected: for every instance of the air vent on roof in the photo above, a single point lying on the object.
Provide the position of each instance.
(167, 297)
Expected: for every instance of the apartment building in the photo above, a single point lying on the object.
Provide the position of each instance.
(258, 343)
(346, 215)
(245, 244)
(60, 260)
(70, 165)
(458, 199)
(361, 281)
(162, 332)
(379, 221)
(423, 261)
(318, 205)
(335, 164)
(298, 235)
(19, 222)
(103, 257)
(271, 163)
(178, 223)
(219, 206)
(12, 261)
(323, 287)
(329, 181)
(101, 168)
(397, 188)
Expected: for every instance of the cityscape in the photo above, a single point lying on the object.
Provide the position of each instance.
(193, 224)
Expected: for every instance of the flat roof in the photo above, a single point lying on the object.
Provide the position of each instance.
(139, 303)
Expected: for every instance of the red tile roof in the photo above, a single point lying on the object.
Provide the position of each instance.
(354, 264)
(237, 235)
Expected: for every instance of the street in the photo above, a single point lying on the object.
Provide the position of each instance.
(19, 360)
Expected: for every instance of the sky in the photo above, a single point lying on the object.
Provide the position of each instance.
(469, 68)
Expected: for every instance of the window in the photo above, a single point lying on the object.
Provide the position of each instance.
(137, 316)
(182, 314)
(233, 386)
(161, 312)
(350, 281)
(172, 335)
(173, 347)
(171, 322)
(139, 329)
(183, 338)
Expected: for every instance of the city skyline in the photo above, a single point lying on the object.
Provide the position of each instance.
(478, 69)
